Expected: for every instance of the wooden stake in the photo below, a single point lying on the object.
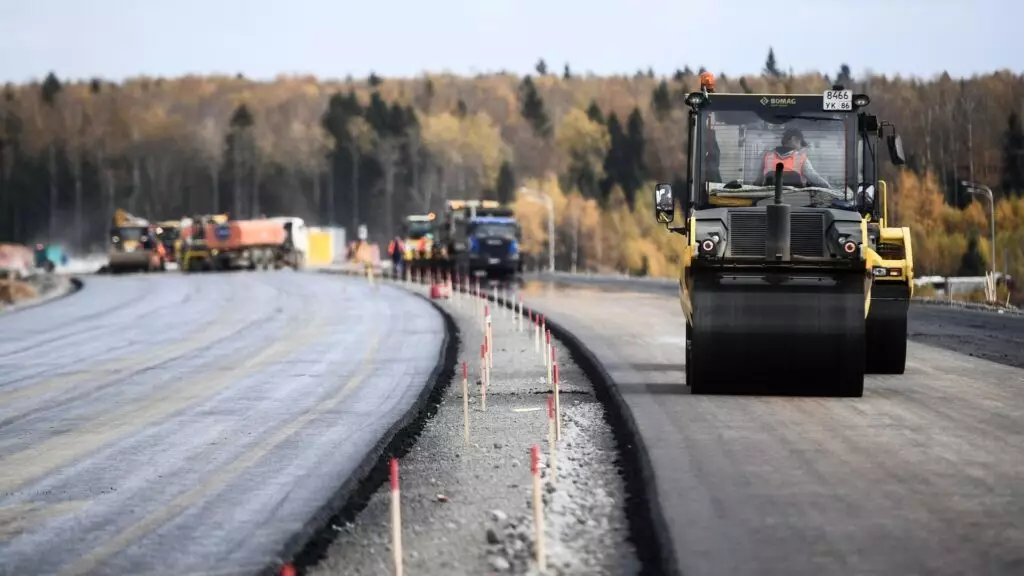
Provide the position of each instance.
(519, 314)
(483, 377)
(547, 360)
(490, 344)
(465, 401)
(552, 439)
(396, 518)
(538, 507)
(558, 406)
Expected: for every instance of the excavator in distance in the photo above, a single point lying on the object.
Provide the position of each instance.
(792, 282)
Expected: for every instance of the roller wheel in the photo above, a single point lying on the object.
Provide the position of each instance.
(687, 363)
(887, 346)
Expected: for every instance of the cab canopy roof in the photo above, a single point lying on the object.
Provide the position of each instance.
(493, 220)
(460, 204)
(832, 101)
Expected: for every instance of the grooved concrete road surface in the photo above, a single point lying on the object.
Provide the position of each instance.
(192, 424)
(924, 475)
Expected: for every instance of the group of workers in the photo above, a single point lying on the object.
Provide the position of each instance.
(398, 248)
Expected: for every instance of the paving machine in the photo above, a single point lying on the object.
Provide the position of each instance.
(780, 264)
(193, 254)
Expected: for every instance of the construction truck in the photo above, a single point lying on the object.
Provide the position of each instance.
(134, 245)
(192, 238)
(419, 236)
(780, 269)
(297, 231)
(240, 245)
(493, 248)
(453, 248)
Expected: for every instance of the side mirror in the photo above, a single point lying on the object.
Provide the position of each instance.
(664, 204)
(895, 144)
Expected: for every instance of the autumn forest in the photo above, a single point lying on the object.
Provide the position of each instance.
(368, 151)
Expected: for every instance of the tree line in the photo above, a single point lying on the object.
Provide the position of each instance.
(371, 150)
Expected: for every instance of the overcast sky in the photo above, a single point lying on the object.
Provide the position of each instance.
(332, 38)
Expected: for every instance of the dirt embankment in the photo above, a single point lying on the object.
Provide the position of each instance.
(16, 291)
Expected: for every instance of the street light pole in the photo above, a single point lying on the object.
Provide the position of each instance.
(550, 205)
(982, 190)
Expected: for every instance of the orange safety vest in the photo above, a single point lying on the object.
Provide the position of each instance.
(392, 247)
(422, 244)
(793, 162)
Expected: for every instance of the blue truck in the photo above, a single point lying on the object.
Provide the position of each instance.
(493, 248)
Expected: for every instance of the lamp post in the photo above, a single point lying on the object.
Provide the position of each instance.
(546, 199)
(982, 190)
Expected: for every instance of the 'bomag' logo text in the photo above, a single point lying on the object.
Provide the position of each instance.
(766, 101)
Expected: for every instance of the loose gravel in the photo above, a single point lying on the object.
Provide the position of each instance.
(467, 509)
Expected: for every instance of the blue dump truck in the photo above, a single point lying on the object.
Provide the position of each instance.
(493, 247)
(49, 256)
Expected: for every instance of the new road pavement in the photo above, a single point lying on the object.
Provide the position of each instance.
(178, 424)
(923, 475)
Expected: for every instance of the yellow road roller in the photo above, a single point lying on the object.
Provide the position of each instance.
(784, 245)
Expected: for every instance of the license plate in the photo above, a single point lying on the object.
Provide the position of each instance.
(493, 260)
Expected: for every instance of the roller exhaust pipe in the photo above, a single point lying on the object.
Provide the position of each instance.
(778, 231)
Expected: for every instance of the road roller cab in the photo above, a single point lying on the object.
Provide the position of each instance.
(777, 276)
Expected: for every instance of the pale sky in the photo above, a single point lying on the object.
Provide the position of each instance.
(262, 38)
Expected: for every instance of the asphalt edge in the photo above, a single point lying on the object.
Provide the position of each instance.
(648, 529)
(75, 284)
(309, 546)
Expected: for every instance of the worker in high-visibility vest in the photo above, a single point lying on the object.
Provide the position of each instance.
(395, 251)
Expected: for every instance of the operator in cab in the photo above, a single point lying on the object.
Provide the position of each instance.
(793, 158)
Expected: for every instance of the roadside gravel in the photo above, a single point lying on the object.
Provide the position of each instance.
(467, 509)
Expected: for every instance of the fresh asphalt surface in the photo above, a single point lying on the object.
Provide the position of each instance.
(180, 424)
(923, 475)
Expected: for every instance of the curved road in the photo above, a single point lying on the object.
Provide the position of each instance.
(193, 424)
(923, 475)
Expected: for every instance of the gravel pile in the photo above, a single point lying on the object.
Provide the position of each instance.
(467, 509)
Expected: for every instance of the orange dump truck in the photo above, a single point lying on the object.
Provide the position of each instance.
(242, 244)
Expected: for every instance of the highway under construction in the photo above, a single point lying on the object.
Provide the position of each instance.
(224, 423)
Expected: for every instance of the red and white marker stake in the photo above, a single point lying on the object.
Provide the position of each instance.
(519, 314)
(539, 334)
(543, 337)
(535, 320)
(396, 518)
(558, 406)
(465, 401)
(547, 359)
(552, 438)
(538, 507)
(483, 377)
